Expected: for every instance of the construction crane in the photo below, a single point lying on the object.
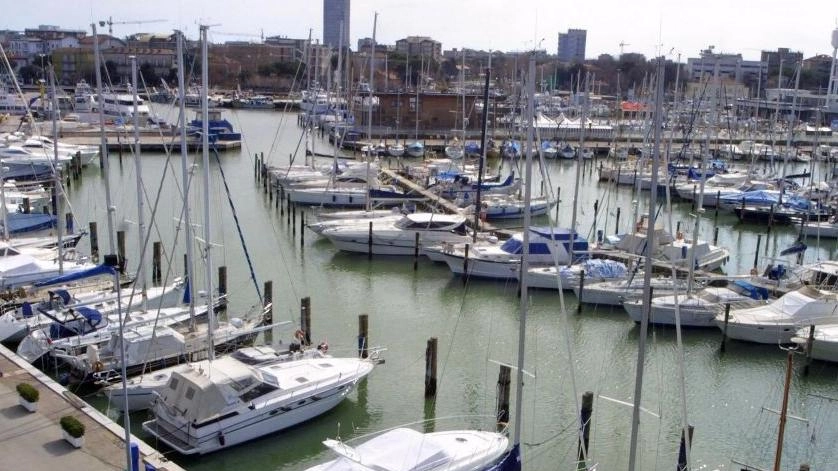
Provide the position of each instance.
(622, 45)
(110, 23)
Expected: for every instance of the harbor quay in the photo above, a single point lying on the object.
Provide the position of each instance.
(35, 441)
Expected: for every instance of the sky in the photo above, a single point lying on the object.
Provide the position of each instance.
(649, 27)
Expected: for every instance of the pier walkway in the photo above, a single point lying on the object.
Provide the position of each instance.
(33, 440)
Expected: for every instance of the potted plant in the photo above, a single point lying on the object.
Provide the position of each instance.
(73, 430)
(28, 396)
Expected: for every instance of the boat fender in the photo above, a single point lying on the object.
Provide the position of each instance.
(98, 366)
(221, 440)
(323, 347)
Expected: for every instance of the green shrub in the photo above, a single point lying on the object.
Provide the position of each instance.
(28, 392)
(72, 426)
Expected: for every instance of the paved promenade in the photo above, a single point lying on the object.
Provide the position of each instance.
(33, 441)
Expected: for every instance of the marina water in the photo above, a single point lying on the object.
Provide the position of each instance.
(728, 395)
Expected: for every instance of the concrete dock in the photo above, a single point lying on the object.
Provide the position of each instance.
(33, 440)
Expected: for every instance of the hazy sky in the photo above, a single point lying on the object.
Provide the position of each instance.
(649, 27)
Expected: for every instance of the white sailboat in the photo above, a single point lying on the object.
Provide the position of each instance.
(222, 402)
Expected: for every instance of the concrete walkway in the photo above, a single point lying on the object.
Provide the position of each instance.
(33, 441)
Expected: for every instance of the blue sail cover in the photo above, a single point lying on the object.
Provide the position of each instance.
(28, 222)
(95, 271)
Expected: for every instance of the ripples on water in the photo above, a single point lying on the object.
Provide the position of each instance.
(477, 324)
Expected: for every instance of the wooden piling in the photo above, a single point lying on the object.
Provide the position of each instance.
(302, 229)
(756, 254)
(465, 262)
(288, 213)
(369, 242)
(416, 252)
(770, 219)
(156, 273)
(504, 385)
(363, 335)
(94, 242)
(810, 341)
(256, 167)
(293, 220)
(558, 201)
(268, 301)
(430, 367)
(26, 206)
(305, 320)
(585, 415)
(715, 235)
(222, 280)
(724, 327)
(716, 215)
(617, 222)
(68, 223)
(581, 290)
(120, 250)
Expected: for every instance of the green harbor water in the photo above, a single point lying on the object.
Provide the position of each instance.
(728, 396)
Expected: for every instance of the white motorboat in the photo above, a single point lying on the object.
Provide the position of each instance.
(499, 206)
(500, 259)
(826, 229)
(824, 343)
(595, 270)
(407, 449)
(398, 236)
(615, 293)
(140, 390)
(778, 321)
(87, 326)
(668, 249)
(15, 324)
(149, 347)
(212, 405)
(354, 217)
(695, 310)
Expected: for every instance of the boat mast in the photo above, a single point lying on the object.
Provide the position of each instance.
(205, 150)
(579, 163)
(103, 141)
(791, 132)
(778, 456)
(59, 193)
(139, 169)
(184, 151)
(647, 275)
(483, 139)
(522, 324)
(369, 110)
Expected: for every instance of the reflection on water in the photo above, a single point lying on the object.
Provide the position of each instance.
(476, 324)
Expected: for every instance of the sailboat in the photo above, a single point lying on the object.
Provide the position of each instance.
(456, 450)
(221, 402)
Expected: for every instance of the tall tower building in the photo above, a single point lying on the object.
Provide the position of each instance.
(572, 45)
(335, 12)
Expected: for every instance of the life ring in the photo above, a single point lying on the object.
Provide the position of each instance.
(300, 335)
(98, 366)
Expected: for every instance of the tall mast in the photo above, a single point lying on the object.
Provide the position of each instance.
(103, 141)
(205, 150)
(59, 194)
(647, 275)
(778, 455)
(139, 169)
(184, 158)
(369, 110)
(483, 139)
(579, 162)
(522, 325)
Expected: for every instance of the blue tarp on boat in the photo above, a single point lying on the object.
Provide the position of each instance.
(29, 222)
(95, 271)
